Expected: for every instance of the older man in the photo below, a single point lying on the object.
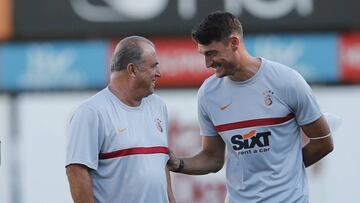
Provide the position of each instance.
(117, 150)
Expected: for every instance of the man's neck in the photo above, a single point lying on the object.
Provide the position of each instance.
(247, 69)
(121, 88)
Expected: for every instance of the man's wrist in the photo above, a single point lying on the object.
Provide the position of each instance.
(180, 167)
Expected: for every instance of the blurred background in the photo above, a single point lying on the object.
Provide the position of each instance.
(55, 54)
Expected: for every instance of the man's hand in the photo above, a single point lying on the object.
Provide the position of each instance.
(209, 160)
(173, 162)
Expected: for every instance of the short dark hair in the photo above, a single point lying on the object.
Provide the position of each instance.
(217, 26)
(128, 50)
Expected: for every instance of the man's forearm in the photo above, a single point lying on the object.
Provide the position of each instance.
(200, 164)
(80, 184)
(316, 150)
(170, 193)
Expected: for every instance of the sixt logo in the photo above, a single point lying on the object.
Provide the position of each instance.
(250, 140)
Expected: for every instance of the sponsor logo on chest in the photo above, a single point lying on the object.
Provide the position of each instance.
(251, 142)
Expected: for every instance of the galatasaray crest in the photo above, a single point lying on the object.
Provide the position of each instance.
(159, 125)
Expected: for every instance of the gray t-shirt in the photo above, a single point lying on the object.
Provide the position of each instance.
(259, 121)
(126, 147)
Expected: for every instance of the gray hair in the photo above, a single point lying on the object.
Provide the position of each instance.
(128, 50)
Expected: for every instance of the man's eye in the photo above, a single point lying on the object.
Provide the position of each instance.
(211, 53)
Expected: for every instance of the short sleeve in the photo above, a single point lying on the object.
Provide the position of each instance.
(301, 100)
(206, 125)
(85, 138)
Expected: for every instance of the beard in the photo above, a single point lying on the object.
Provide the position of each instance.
(224, 69)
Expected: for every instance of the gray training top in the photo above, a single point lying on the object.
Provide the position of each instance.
(259, 120)
(125, 147)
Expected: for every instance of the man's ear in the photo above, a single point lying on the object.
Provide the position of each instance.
(131, 69)
(234, 42)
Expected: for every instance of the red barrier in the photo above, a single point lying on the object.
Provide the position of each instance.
(181, 64)
(349, 57)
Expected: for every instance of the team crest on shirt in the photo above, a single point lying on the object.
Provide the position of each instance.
(268, 100)
(159, 125)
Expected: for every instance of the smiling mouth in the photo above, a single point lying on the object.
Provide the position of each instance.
(217, 67)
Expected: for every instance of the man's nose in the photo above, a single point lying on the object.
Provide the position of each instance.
(157, 72)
